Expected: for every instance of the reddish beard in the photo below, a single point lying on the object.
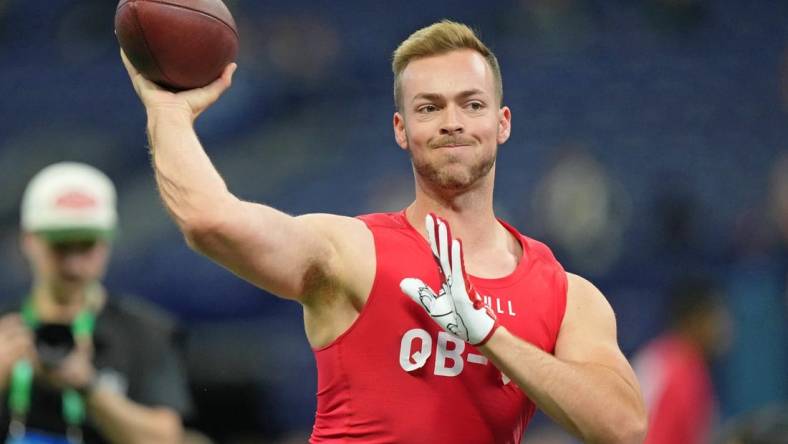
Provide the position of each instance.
(446, 174)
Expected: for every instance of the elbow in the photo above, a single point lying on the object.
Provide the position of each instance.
(623, 430)
(200, 232)
(633, 433)
(629, 431)
(203, 227)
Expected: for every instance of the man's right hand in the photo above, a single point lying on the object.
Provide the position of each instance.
(16, 342)
(193, 101)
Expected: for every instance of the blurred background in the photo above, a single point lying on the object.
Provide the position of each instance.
(650, 140)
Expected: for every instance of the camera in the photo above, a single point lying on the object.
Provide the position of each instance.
(53, 343)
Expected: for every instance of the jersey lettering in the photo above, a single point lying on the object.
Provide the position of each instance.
(416, 348)
(410, 360)
(497, 305)
(445, 354)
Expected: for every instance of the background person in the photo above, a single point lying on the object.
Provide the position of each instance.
(674, 369)
(80, 364)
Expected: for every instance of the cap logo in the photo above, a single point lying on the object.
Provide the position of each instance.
(75, 200)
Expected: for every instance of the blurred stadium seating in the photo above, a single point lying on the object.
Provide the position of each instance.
(678, 108)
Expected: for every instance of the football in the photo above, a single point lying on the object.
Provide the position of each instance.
(179, 44)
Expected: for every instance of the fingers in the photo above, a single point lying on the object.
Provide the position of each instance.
(10, 322)
(13, 328)
(443, 248)
(439, 236)
(138, 81)
(215, 89)
(461, 278)
(201, 98)
(129, 67)
(430, 222)
(229, 71)
(456, 259)
(16, 340)
(417, 290)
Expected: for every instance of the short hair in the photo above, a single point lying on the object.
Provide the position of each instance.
(440, 38)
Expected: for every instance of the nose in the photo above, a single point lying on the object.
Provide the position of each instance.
(452, 123)
(73, 264)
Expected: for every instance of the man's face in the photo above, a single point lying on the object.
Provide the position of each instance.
(450, 120)
(66, 265)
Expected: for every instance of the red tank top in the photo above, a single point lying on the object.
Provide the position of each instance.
(396, 377)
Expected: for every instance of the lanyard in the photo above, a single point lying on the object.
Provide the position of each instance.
(73, 406)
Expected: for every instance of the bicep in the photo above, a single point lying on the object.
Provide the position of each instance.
(588, 330)
(285, 255)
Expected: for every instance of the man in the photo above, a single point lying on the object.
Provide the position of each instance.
(78, 365)
(674, 367)
(386, 371)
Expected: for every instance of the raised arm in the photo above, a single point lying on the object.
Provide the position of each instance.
(293, 257)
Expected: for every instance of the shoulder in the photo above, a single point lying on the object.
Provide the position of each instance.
(338, 229)
(583, 297)
(538, 252)
(351, 265)
(349, 237)
(588, 314)
(539, 258)
(384, 220)
(588, 332)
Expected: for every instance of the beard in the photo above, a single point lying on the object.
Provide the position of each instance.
(452, 172)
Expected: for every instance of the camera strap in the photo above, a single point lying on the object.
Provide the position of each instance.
(21, 387)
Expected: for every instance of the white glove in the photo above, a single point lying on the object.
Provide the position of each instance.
(457, 307)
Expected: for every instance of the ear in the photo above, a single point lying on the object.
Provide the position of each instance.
(26, 241)
(504, 124)
(400, 134)
(31, 246)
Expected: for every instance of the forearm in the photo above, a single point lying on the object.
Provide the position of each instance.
(189, 184)
(123, 421)
(592, 401)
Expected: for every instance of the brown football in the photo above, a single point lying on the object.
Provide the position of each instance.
(179, 44)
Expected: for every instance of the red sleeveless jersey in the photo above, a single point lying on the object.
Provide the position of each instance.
(396, 377)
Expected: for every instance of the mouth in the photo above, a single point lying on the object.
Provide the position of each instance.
(452, 145)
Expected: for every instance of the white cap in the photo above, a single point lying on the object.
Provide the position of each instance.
(68, 201)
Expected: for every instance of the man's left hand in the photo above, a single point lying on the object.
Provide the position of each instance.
(457, 307)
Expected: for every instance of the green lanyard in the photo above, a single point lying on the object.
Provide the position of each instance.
(73, 407)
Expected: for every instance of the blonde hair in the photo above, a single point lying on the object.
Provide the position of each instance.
(436, 39)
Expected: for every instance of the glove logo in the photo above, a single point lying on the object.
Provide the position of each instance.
(457, 306)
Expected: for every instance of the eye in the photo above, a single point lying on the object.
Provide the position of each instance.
(426, 109)
(475, 105)
(63, 248)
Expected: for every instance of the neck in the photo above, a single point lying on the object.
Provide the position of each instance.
(63, 305)
(469, 214)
